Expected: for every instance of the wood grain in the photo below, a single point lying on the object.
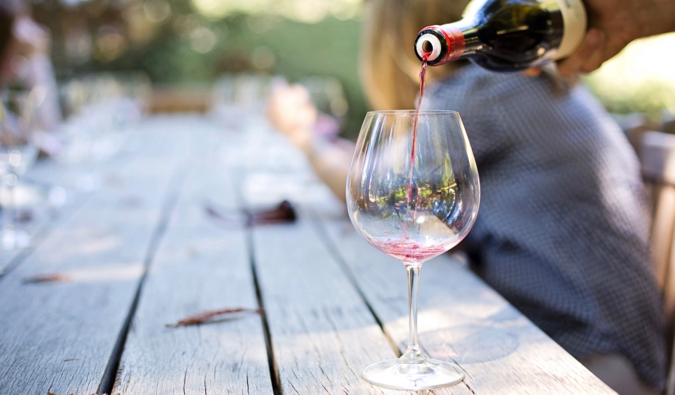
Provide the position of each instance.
(461, 319)
(657, 157)
(143, 249)
(42, 215)
(59, 337)
(663, 230)
(201, 264)
(322, 332)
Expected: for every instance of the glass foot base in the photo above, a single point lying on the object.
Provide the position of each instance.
(429, 374)
(14, 239)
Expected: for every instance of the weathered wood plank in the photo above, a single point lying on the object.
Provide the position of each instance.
(202, 264)
(322, 332)
(59, 336)
(40, 214)
(663, 229)
(460, 319)
(657, 156)
(47, 175)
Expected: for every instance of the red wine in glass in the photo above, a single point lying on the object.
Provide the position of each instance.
(423, 79)
(413, 193)
(406, 250)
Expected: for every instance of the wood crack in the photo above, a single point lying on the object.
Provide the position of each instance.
(340, 344)
(40, 236)
(316, 349)
(110, 374)
(185, 379)
(335, 252)
(274, 371)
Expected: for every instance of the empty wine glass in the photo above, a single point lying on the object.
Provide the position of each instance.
(18, 124)
(414, 199)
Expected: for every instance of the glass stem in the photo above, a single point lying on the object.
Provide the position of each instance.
(413, 354)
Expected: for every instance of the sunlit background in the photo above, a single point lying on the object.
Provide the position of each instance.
(640, 79)
(193, 42)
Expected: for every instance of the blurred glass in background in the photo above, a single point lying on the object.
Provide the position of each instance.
(198, 42)
(195, 42)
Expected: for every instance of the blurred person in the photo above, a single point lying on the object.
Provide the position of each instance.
(563, 227)
(612, 25)
(24, 60)
(292, 112)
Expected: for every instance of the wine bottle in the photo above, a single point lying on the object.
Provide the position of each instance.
(506, 35)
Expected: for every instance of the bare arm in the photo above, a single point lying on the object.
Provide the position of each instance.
(292, 113)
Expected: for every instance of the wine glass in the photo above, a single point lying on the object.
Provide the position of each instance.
(413, 198)
(19, 124)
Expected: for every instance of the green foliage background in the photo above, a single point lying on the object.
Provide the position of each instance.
(327, 48)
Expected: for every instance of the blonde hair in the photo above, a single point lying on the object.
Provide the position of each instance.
(389, 67)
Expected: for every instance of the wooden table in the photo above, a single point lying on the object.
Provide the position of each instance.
(141, 252)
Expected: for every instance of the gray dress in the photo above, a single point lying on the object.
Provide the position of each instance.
(562, 231)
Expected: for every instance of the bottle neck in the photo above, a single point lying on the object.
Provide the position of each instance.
(472, 44)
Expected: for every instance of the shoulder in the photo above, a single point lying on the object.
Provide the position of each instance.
(472, 84)
(471, 79)
(473, 91)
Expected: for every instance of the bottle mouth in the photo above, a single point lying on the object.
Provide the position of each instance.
(428, 46)
(431, 46)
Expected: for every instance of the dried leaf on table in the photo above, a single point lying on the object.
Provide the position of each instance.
(47, 278)
(282, 212)
(208, 316)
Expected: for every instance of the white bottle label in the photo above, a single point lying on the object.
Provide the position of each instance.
(574, 20)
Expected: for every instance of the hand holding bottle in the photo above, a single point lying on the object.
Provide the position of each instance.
(503, 35)
(612, 25)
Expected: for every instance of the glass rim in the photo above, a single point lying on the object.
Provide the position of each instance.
(413, 112)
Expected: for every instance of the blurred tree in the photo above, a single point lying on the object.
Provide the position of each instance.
(641, 79)
(195, 41)
(182, 42)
